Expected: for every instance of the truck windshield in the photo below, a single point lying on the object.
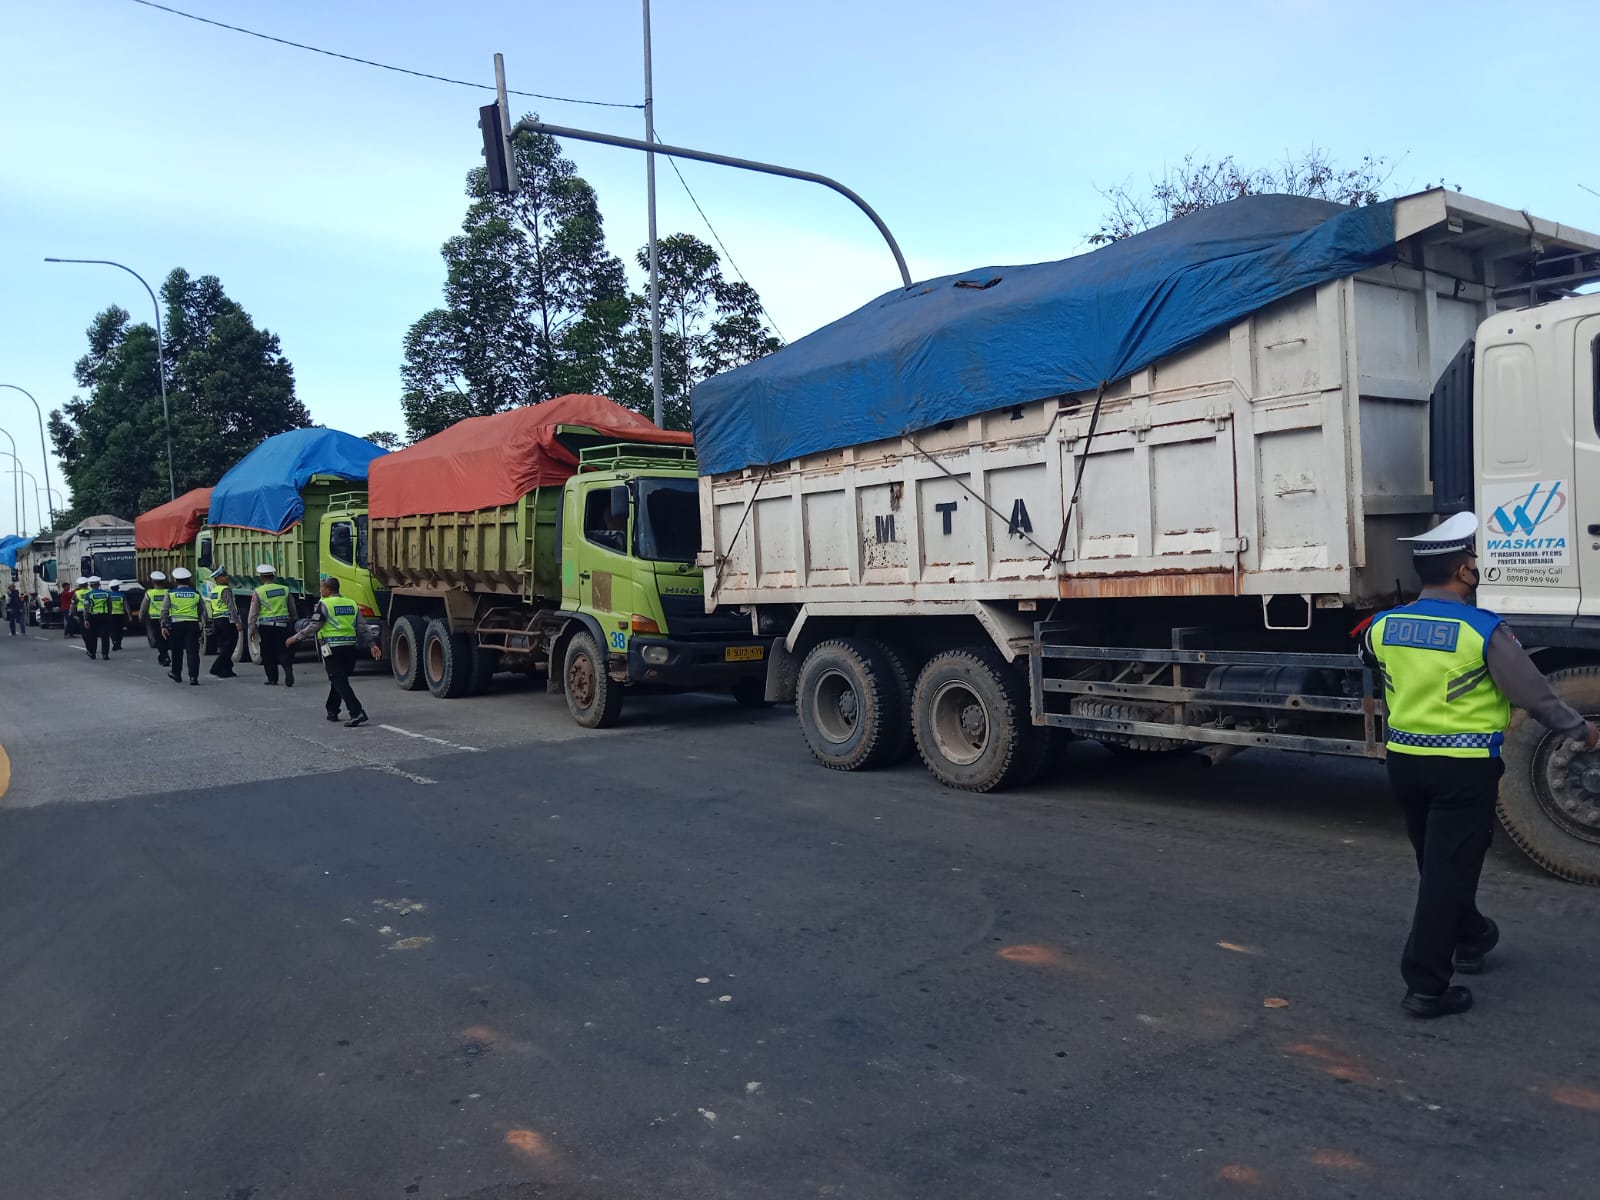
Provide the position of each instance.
(361, 541)
(667, 528)
(115, 564)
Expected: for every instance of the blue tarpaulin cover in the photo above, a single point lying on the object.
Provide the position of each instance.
(961, 345)
(9, 547)
(262, 490)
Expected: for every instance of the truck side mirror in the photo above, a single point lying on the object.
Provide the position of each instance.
(619, 502)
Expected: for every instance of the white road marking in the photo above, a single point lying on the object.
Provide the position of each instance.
(427, 738)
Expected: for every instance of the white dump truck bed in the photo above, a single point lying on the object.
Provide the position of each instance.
(1280, 456)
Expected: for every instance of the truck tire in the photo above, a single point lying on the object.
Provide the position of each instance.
(593, 698)
(405, 653)
(446, 660)
(1550, 794)
(151, 635)
(972, 721)
(484, 665)
(849, 704)
(904, 740)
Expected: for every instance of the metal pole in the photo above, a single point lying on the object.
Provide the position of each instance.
(43, 449)
(650, 204)
(37, 515)
(505, 119)
(744, 164)
(161, 355)
(16, 472)
(16, 485)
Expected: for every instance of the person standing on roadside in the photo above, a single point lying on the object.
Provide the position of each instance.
(181, 624)
(15, 620)
(72, 608)
(97, 619)
(117, 620)
(271, 619)
(340, 634)
(223, 616)
(1451, 674)
(155, 599)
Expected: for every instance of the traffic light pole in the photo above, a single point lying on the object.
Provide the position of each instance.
(744, 164)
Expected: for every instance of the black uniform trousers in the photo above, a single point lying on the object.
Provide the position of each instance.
(1449, 810)
(86, 632)
(97, 634)
(275, 654)
(183, 642)
(227, 641)
(339, 662)
(162, 644)
(114, 624)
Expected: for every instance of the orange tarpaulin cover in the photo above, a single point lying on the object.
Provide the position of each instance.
(174, 523)
(484, 462)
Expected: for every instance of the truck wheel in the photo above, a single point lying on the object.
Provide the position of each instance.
(751, 693)
(484, 665)
(972, 721)
(446, 660)
(849, 704)
(1550, 794)
(151, 637)
(904, 741)
(593, 698)
(405, 653)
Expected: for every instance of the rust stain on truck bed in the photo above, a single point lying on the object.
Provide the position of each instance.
(1147, 583)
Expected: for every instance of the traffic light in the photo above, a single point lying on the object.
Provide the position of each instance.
(496, 151)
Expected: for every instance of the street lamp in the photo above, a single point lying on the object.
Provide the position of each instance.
(43, 449)
(16, 485)
(22, 526)
(161, 354)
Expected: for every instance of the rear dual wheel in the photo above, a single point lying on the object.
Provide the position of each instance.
(972, 721)
(853, 702)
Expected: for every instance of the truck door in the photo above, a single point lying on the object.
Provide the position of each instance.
(605, 571)
(1526, 437)
(1586, 473)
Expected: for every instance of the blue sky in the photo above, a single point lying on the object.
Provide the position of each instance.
(319, 191)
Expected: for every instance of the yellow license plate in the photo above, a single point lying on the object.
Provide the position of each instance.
(744, 653)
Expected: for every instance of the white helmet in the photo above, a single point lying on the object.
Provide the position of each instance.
(92, 579)
(114, 584)
(80, 581)
(158, 576)
(182, 573)
(266, 569)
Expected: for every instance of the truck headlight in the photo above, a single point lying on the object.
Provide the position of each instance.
(656, 656)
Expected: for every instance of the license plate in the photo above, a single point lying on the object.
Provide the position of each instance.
(744, 654)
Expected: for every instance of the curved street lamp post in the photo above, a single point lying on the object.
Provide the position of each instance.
(16, 472)
(161, 354)
(43, 448)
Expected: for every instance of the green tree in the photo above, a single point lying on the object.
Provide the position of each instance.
(383, 439)
(1198, 183)
(708, 325)
(228, 385)
(533, 301)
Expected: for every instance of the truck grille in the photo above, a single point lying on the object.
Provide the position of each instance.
(687, 617)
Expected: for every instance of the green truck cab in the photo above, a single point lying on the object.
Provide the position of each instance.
(592, 582)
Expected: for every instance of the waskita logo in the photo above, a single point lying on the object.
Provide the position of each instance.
(1516, 524)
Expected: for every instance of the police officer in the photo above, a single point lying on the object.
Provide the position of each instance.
(222, 615)
(155, 598)
(117, 620)
(271, 618)
(72, 623)
(97, 619)
(182, 622)
(1451, 674)
(340, 633)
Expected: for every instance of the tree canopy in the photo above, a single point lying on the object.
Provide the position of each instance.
(535, 306)
(1200, 182)
(228, 387)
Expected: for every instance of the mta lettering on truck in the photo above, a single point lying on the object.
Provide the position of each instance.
(1527, 536)
(883, 526)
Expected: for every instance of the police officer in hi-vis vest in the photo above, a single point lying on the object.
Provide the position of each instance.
(155, 598)
(271, 619)
(340, 634)
(117, 621)
(1451, 674)
(97, 619)
(223, 618)
(181, 624)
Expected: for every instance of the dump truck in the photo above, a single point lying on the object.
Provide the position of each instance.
(558, 538)
(164, 537)
(297, 501)
(102, 545)
(1146, 496)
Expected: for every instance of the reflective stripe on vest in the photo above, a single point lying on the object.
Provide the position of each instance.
(156, 596)
(274, 602)
(1441, 699)
(340, 627)
(184, 604)
(98, 603)
(119, 604)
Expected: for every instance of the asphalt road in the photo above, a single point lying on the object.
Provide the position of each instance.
(246, 954)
